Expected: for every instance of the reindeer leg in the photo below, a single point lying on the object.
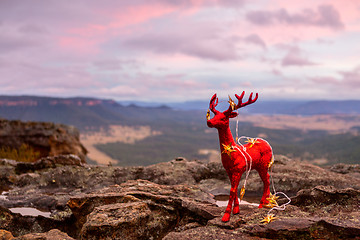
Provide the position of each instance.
(237, 178)
(234, 178)
(226, 216)
(265, 177)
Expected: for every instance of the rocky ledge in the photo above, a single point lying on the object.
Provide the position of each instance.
(172, 200)
(47, 139)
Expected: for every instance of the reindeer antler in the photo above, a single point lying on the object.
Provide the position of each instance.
(250, 101)
(240, 104)
(213, 103)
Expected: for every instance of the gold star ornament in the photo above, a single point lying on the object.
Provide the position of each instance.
(271, 162)
(208, 115)
(272, 201)
(252, 141)
(268, 219)
(232, 103)
(242, 192)
(228, 149)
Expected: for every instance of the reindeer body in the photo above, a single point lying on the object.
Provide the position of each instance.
(235, 158)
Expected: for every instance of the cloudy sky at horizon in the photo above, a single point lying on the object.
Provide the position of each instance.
(176, 50)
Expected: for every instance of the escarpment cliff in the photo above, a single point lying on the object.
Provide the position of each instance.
(44, 138)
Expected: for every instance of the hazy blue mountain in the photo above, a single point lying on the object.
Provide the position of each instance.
(85, 113)
(297, 107)
(328, 107)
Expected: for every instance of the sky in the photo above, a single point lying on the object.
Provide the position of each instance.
(180, 50)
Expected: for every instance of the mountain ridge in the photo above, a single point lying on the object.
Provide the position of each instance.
(92, 113)
(184, 133)
(306, 107)
(82, 112)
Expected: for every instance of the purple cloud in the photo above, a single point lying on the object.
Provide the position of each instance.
(14, 43)
(116, 64)
(32, 29)
(196, 41)
(223, 3)
(349, 79)
(295, 57)
(325, 80)
(325, 16)
(276, 72)
(230, 3)
(255, 39)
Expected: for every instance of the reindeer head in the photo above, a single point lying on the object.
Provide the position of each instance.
(221, 119)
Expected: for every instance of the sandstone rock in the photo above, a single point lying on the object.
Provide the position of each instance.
(60, 183)
(178, 171)
(51, 185)
(327, 201)
(8, 162)
(325, 195)
(53, 234)
(290, 176)
(183, 210)
(48, 162)
(352, 170)
(295, 222)
(208, 233)
(345, 168)
(5, 235)
(118, 221)
(158, 207)
(48, 139)
(20, 225)
(322, 212)
(7, 177)
(303, 228)
(139, 209)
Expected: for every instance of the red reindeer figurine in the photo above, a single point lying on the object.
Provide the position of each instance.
(235, 158)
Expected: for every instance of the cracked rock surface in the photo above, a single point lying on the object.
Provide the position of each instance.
(172, 200)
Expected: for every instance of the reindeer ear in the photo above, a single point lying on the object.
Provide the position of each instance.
(233, 114)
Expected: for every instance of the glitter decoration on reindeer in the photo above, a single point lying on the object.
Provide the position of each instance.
(239, 158)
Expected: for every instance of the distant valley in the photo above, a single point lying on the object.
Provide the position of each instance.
(140, 134)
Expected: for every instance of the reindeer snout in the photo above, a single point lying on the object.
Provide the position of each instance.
(210, 125)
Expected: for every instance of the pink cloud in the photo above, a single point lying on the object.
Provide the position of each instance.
(130, 18)
(230, 3)
(255, 39)
(325, 80)
(325, 16)
(139, 14)
(205, 3)
(349, 79)
(276, 72)
(295, 57)
(87, 38)
(78, 45)
(116, 64)
(34, 76)
(170, 82)
(199, 41)
(20, 37)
